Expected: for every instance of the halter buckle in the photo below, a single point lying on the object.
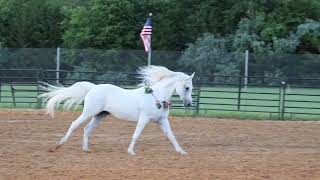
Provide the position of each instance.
(166, 104)
(158, 104)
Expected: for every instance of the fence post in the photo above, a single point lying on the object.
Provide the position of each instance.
(198, 96)
(283, 97)
(239, 92)
(13, 95)
(246, 68)
(39, 78)
(0, 84)
(58, 66)
(0, 90)
(280, 102)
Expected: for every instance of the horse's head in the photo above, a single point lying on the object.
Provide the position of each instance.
(151, 75)
(184, 89)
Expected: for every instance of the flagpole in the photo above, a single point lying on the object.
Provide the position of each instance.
(149, 56)
(150, 49)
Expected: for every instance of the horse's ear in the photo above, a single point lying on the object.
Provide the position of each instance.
(192, 75)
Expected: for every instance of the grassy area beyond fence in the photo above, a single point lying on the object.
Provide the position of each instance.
(254, 101)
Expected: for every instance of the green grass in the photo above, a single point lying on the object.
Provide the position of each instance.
(25, 96)
(297, 100)
(220, 102)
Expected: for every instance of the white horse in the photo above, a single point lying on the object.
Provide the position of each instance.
(142, 105)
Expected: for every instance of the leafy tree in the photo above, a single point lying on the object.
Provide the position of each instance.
(36, 25)
(209, 55)
(104, 25)
(309, 35)
(268, 28)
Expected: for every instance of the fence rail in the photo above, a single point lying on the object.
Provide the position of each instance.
(278, 100)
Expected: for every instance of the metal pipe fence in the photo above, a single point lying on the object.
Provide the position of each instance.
(278, 100)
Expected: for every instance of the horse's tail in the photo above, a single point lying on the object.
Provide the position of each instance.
(71, 96)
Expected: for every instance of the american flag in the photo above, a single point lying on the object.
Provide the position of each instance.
(146, 34)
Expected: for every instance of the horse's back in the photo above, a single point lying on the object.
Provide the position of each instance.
(122, 103)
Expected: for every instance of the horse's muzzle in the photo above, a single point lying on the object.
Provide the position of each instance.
(187, 104)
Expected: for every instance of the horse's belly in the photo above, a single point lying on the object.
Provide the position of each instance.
(124, 109)
(124, 115)
(121, 103)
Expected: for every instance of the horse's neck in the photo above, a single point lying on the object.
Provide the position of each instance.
(164, 89)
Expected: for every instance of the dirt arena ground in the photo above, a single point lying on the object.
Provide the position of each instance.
(218, 149)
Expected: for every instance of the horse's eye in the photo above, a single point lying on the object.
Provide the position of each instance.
(187, 88)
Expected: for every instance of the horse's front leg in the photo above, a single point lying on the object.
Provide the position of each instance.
(143, 121)
(165, 126)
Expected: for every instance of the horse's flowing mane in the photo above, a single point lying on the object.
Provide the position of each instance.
(153, 74)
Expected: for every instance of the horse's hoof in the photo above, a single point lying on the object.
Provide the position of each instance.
(131, 153)
(86, 151)
(183, 153)
(57, 146)
(52, 150)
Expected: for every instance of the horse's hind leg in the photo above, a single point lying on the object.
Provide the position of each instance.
(91, 125)
(93, 105)
(88, 111)
(74, 125)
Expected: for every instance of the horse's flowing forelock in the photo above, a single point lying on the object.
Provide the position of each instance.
(152, 74)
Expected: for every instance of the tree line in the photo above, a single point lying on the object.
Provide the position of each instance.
(210, 34)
